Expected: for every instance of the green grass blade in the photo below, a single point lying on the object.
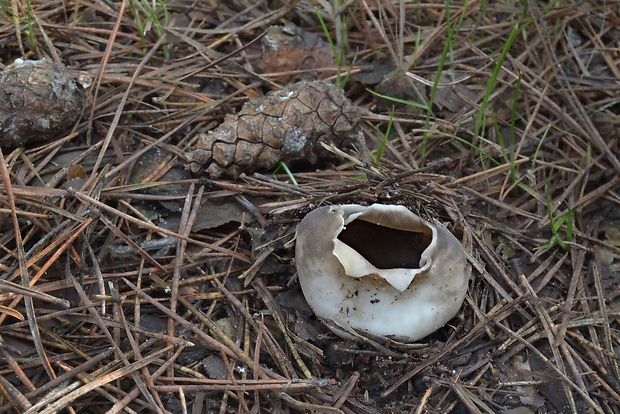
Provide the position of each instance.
(448, 48)
(398, 100)
(338, 55)
(493, 81)
(282, 165)
(383, 143)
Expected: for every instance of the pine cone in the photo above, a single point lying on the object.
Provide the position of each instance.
(286, 125)
(38, 101)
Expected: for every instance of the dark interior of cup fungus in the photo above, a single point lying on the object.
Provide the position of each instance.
(386, 247)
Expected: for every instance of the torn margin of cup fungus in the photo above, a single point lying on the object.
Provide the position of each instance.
(381, 269)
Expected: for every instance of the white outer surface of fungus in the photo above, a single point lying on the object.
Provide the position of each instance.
(407, 303)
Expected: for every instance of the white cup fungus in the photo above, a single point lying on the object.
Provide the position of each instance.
(381, 269)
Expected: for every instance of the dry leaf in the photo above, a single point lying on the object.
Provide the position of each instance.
(289, 48)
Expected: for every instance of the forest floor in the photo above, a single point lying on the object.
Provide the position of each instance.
(129, 283)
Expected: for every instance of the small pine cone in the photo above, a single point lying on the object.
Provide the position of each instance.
(38, 101)
(286, 125)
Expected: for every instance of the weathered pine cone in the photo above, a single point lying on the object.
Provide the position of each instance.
(38, 101)
(287, 125)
